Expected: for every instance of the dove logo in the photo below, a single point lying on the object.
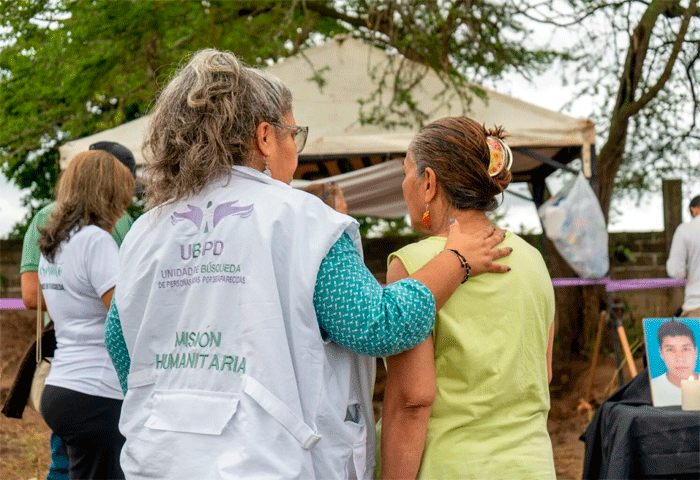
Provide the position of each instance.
(197, 216)
(194, 215)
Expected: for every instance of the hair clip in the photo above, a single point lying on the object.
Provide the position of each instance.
(501, 156)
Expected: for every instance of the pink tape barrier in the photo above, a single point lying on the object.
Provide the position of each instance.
(619, 285)
(610, 286)
(11, 304)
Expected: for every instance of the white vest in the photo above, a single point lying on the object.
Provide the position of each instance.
(229, 376)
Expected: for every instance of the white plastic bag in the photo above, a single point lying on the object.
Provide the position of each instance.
(573, 221)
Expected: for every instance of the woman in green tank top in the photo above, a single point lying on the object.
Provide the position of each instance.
(472, 400)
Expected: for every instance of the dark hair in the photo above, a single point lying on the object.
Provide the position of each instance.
(95, 189)
(674, 328)
(120, 152)
(456, 149)
(695, 202)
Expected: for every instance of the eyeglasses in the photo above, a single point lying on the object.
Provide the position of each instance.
(299, 135)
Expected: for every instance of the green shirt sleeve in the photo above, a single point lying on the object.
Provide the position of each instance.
(123, 225)
(30, 247)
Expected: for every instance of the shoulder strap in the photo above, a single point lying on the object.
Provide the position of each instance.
(39, 321)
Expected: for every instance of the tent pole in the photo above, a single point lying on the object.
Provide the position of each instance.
(519, 195)
(594, 170)
(538, 188)
(547, 160)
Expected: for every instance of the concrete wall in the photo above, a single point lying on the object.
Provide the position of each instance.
(649, 255)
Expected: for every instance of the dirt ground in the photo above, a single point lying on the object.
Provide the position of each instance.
(24, 443)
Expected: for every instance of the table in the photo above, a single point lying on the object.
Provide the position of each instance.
(629, 438)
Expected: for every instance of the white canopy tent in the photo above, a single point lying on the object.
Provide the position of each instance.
(331, 109)
(374, 191)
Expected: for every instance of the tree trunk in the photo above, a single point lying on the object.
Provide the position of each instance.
(628, 103)
(569, 320)
(629, 100)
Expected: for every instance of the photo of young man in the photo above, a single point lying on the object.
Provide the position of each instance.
(679, 352)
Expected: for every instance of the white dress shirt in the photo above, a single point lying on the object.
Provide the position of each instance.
(664, 393)
(684, 260)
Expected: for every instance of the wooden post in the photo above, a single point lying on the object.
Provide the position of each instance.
(626, 349)
(596, 351)
(673, 208)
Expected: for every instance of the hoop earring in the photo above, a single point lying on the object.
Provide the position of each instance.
(426, 217)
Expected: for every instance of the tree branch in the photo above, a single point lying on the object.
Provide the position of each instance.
(322, 9)
(634, 107)
(577, 18)
(691, 82)
(675, 10)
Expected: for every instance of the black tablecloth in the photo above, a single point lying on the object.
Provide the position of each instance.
(628, 438)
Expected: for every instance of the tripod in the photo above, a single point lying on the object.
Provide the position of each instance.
(613, 317)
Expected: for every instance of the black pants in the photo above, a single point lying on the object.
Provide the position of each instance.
(89, 426)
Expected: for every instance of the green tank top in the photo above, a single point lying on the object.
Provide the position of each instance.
(489, 418)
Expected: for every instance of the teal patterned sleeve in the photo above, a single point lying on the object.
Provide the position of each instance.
(352, 309)
(116, 346)
(356, 312)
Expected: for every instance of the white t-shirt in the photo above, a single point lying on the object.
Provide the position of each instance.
(85, 268)
(664, 393)
(684, 261)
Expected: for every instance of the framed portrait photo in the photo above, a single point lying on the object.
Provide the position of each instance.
(672, 356)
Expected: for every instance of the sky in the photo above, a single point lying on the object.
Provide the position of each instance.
(646, 215)
(11, 210)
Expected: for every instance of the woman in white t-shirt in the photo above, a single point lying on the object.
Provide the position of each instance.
(77, 271)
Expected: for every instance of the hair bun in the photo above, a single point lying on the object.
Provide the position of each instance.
(503, 179)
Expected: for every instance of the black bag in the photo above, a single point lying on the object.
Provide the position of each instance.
(19, 392)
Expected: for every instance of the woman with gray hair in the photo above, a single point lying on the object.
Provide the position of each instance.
(243, 314)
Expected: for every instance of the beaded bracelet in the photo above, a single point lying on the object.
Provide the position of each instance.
(464, 263)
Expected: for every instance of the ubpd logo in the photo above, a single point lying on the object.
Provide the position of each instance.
(223, 210)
